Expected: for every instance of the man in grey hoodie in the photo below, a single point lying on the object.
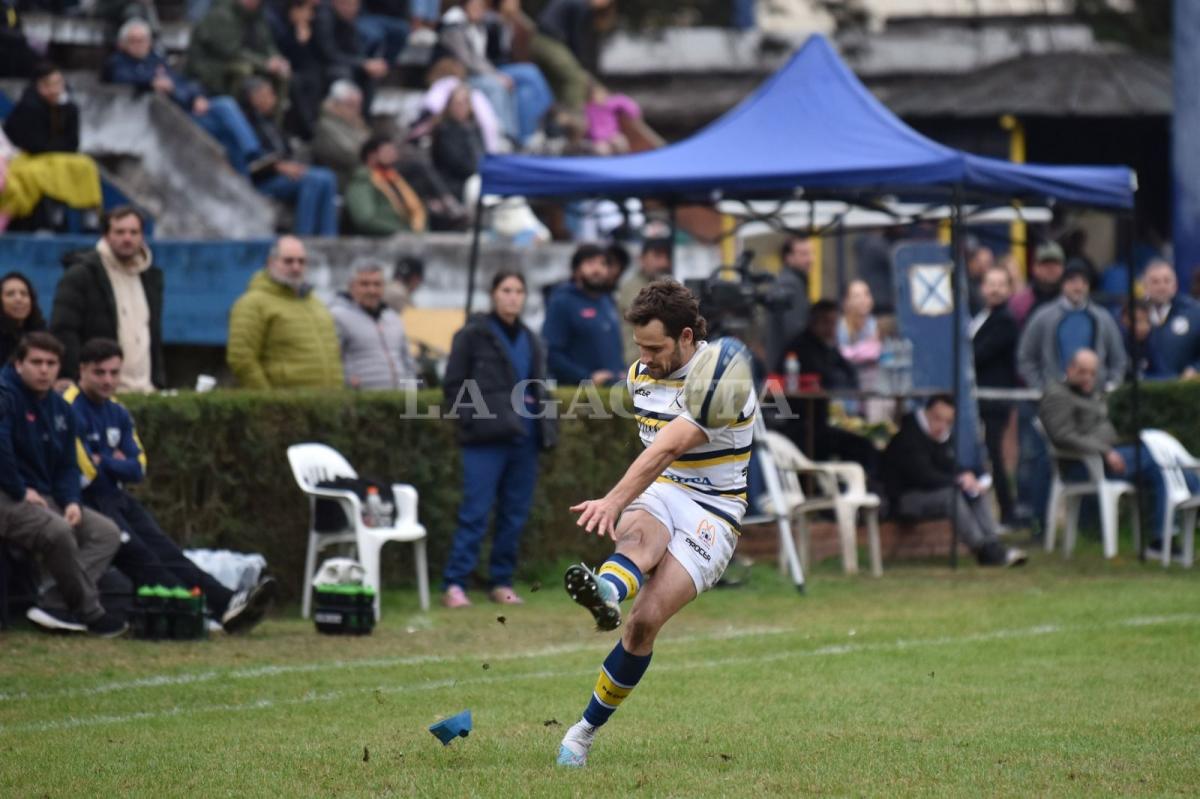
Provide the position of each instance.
(371, 336)
(1062, 328)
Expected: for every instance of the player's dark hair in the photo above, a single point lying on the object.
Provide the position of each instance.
(37, 341)
(99, 349)
(670, 303)
(944, 399)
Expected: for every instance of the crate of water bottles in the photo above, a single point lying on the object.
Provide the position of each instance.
(344, 609)
(895, 366)
(168, 614)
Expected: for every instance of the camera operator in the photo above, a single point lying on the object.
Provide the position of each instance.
(787, 322)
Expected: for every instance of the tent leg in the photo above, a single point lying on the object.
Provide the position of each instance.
(957, 290)
(474, 265)
(1130, 226)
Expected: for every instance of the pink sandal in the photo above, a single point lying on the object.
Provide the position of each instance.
(504, 595)
(455, 597)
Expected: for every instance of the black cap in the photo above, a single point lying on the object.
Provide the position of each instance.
(1077, 268)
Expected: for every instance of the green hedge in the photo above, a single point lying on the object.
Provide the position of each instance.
(1172, 406)
(218, 472)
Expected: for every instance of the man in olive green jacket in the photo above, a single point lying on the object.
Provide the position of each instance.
(231, 43)
(280, 334)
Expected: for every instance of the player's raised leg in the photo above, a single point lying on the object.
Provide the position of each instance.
(659, 600)
(641, 542)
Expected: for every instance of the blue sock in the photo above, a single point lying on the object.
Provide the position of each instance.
(619, 674)
(623, 574)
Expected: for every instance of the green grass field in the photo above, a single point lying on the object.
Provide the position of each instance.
(1077, 678)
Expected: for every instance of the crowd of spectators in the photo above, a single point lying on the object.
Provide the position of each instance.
(286, 88)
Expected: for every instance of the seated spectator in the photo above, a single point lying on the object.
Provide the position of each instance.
(110, 458)
(923, 481)
(1174, 322)
(994, 341)
(44, 126)
(280, 334)
(379, 202)
(118, 13)
(857, 330)
(310, 190)
(384, 24)
(517, 92)
(568, 81)
(1074, 414)
(292, 32)
(1144, 364)
(40, 494)
(113, 290)
(457, 142)
(19, 312)
(1060, 329)
(136, 64)
(582, 330)
(444, 77)
(654, 263)
(1045, 284)
(577, 25)
(443, 211)
(345, 55)
(341, 131)
(375, 351)
(232, 43)
(604, 112)
(407, 277)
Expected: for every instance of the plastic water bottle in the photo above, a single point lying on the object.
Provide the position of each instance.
(887, 366)
(904, 365)
(791, 374)
(373, 512)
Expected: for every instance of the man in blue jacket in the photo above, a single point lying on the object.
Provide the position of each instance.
(1174, 324)
(582, 330)
(111, 456)
(39, 493)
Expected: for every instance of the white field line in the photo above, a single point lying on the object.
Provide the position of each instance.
(74, 722)
(274, 670)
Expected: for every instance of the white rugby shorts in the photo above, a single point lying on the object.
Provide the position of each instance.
(701, 541)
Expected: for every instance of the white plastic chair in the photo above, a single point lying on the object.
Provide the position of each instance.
(315, 463)
(1175, 461)
(843, 489)
(1068, 496)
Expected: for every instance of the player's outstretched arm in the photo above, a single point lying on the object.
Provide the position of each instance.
(600, 515)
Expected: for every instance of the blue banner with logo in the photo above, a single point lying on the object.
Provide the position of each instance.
(925, 316)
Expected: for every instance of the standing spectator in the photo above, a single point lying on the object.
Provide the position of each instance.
(873, 254)
(654, 263)
(458, 142)
(924, 481)
(796, 257)
(857, 330)
(136, 64)
(310, 190)
(1044, 286)
(113, 291)
(604, 112)
(39, 493)
(374, 348)
(233, 42)
(1060, 329)
(994, 337)
(407, 277)
(44, 126)
(979, 260)
(582, 330)
(292, 32)
(280, 334)
(1138, 328)
(19, 313)
(500, 441)
(111, 458)
(518, 92)
(379, 201)
(1174, 322)
(344, 53)
(341, 131)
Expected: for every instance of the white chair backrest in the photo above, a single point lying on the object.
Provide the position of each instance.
(786, 459)
(315, 463)
(1169, 455)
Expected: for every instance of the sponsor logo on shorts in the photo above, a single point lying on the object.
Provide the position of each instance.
(701, 551)
(706, 533)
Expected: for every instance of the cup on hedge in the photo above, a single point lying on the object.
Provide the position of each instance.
(205, 383)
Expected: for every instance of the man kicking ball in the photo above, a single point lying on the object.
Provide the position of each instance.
(674, 515)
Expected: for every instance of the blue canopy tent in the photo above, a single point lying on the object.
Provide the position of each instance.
(812, 126)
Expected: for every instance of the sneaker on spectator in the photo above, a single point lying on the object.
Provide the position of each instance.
(107, 626)
(1015, 557)
(55, 621)
(248, 606)
(1154, 551)
(423, 37)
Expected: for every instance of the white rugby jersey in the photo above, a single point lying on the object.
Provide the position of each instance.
(715, 473)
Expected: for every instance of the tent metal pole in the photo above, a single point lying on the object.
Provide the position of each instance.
(958, 294)
(1135, 385)
(474, 263)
